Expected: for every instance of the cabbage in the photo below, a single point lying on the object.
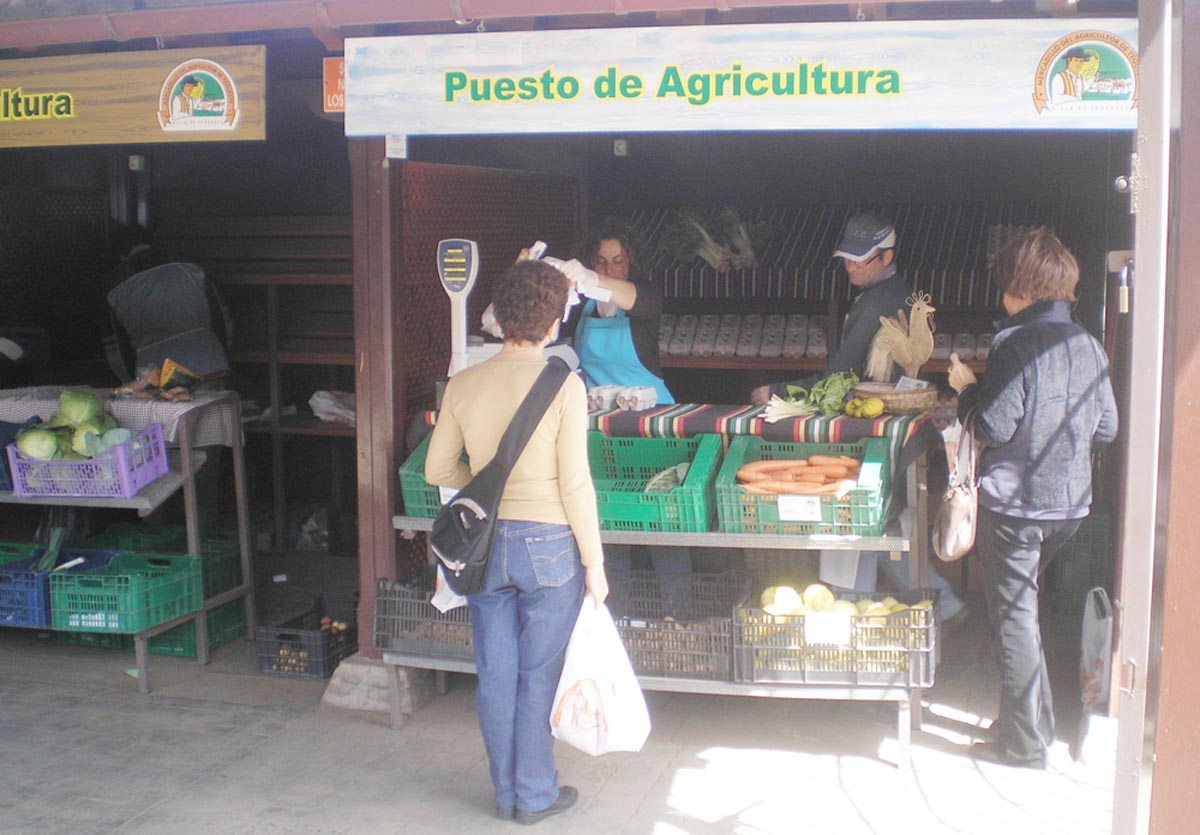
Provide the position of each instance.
(38, 443)
(80, 405)
(98, 445)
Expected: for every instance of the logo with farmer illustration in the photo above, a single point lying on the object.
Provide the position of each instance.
(1087, 72)
(198, 95)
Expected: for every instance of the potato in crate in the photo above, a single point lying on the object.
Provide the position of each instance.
(130, 594)
(654, 484)
(406, 621)
(686, 636)
(776, 498)
(857, 639)
(312, 644)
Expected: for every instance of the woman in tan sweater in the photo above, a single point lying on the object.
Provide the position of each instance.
(547, 548)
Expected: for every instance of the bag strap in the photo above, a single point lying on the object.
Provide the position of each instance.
(529, 413)
(967, 458)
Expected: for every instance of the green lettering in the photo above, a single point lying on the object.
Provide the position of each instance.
(528, 87)
(756, 84)
(699, 89)
(504, 89)
(455, 80)
(670, 84)
(887, 83)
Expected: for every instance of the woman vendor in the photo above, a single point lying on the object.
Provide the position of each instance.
(617, 340)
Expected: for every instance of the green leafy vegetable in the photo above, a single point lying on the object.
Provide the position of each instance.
(826, 396)
(79, 405)
(38, 443)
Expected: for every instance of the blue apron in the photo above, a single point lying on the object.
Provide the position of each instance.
(607, 356)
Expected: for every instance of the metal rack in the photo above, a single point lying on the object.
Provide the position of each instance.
(908, 700)
(225, 409)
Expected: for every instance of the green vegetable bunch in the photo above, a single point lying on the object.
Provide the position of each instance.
(827, 395)
(80, 429)
(725, 243)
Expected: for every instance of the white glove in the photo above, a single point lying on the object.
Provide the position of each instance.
(586, 281)
(490, 325)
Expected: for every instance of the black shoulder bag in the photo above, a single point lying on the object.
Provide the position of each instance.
(461, 536)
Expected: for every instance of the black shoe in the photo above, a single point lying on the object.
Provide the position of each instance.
(988, 753)
(567, 795)
(506, 813)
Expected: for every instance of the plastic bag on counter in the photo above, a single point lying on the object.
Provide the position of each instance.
(333, 406)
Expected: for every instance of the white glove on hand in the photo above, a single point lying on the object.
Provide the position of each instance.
(490, 325)
(586, 281)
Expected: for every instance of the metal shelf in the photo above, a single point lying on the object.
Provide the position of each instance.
(717, 539)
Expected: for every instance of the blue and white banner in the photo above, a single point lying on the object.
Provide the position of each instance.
(1061, 74)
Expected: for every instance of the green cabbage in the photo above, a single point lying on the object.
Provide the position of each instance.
(79, 406)
(38, 443)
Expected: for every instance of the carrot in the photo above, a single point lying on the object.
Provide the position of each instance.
(830, 470)
(757, 470)
(804, 488)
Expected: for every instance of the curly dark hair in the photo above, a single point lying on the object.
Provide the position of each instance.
(527, 299)
(615, 229)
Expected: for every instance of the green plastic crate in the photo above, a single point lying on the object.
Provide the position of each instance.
(622, 466)
(226, 623)
(15, 551)
(132, 593)
(858, 513)
(94, 639)
(142, 538)
(420, 497)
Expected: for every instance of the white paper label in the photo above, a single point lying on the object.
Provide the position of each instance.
(799, 508)
(910, 384)
(446, 494)
(827, 628)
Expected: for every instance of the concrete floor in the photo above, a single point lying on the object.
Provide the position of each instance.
(224, 749)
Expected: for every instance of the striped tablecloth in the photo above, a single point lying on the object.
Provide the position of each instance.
(213, 413)
(907, 435)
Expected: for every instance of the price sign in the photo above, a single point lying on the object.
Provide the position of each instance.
(799, 508)
(827, 628)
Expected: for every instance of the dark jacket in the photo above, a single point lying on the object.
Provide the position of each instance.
(882, 297)
(1045, 399)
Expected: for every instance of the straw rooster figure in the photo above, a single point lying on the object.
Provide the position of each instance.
(907, 342)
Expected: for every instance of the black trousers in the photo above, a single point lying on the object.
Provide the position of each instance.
(1013, 553)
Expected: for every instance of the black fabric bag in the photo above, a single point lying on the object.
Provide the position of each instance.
(461, 536)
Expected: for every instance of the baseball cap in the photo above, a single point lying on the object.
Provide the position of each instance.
(864, 234)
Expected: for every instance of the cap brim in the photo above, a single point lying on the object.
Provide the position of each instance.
(855, 257)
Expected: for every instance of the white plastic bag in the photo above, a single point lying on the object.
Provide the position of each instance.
(333, 406)
(599, 706)
(1095, 659)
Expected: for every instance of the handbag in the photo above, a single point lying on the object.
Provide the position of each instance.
(462, 532)
(954, 527)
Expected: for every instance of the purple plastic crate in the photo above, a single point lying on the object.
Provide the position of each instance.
(121, 472)
(25, 593)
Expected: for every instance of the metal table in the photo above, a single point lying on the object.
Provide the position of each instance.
(211, 418)
(907, 699)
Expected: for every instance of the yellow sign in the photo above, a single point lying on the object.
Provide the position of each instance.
(170, 95)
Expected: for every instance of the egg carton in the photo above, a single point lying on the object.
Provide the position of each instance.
(706, 335)
(983, 346)
(684, 335)
(964, 346)
(666, 327)
(727, 335)
(816, 347)
(750, 340)
(773, 333)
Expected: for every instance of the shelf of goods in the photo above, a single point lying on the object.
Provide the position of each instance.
(288, 284)
(731, 648)
(211, 418)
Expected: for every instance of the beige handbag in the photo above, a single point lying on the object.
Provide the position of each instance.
(954, 526)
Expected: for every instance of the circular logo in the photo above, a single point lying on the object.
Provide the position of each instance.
(198, 95)
(1087, 71)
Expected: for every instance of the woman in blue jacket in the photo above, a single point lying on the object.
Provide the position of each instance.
(1045, 400)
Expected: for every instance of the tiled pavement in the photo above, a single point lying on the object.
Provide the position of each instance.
(223, 749)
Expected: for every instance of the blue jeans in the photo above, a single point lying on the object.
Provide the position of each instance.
(522, 620)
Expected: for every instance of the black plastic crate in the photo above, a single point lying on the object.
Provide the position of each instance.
(302, 647)
(897, 649)
(406, 621)
(687, 638)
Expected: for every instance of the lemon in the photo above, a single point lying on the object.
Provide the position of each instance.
(863, 604)
(889, 601)
(871, 407)
(782, 598)
(846, 606)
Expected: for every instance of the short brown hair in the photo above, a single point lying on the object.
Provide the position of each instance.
(1036, 266)
(613, 229)
(527, 299)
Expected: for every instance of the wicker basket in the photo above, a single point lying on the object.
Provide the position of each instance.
(913, 402)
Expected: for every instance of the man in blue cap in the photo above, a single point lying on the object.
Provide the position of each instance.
(868, 252)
